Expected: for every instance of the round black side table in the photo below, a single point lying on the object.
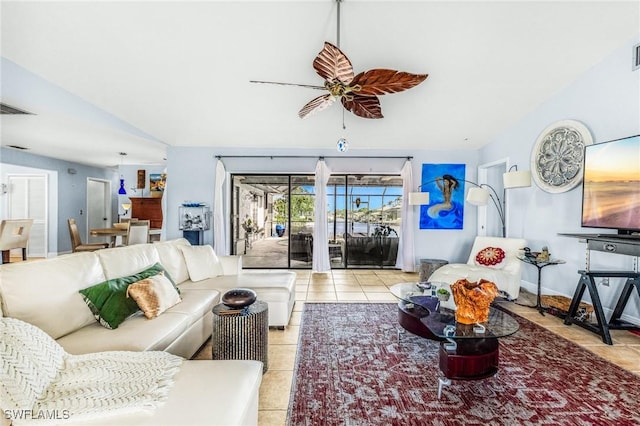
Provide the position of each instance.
(540, 264)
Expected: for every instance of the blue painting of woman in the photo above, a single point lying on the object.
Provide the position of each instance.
(445, 184)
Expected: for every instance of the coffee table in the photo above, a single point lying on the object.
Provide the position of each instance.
(467, 351)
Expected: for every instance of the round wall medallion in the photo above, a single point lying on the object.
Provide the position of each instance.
(557, 156)
(239, 297)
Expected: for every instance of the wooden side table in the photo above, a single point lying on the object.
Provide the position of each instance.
(241, 335)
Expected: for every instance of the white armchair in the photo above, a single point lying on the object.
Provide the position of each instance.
(506, 275)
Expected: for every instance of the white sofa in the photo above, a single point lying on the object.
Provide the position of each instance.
(46, 294)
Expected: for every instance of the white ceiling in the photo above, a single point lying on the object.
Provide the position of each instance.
(138, 76)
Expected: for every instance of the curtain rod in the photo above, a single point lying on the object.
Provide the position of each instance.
(319, 157)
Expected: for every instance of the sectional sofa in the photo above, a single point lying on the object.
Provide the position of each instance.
(47, 294)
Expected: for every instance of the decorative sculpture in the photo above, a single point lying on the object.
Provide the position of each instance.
(473, 300)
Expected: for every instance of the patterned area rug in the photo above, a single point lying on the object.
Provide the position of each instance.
(352, 370)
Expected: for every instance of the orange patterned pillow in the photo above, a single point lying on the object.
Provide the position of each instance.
(491, 257)
(154, 295)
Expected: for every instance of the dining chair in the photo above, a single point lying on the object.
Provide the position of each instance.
(76, 241)
(138, 232)
(14, 234)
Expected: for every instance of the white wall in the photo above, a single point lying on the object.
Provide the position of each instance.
(191, 176)
(607, 100)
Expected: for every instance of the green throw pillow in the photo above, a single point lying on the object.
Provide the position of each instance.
(108, 300)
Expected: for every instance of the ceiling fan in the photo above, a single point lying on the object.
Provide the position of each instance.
(358, 93)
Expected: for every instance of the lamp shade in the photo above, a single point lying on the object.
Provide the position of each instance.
(418, 198)
(126, 206)
(517, 179)
(478, 196)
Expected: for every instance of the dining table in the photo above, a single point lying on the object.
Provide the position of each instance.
(114, 233)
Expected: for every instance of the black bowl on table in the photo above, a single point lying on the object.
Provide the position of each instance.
(239, 297)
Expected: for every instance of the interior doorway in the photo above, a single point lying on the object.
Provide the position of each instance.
(27, 199)
(98, 207)
(489, 220)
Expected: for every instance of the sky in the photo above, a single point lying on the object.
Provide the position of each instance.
(615, 160)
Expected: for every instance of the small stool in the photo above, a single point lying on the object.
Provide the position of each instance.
(241, 333)
(428, 267)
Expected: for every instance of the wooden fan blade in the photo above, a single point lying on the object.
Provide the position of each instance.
(331, 64)
(364, 106)
(382, 81)
(315, 105)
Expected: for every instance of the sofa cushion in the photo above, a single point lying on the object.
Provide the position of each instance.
(57, 308)
(123, 261)
(31, 360)
(154, 295)
(269, 286)
(108, 300)
(202, 262)
(196, 303)
(137, 333)
(231, 397)
(172, 259)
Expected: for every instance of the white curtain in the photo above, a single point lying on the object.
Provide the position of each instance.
(219, 234)
(321, 261)
(405, 260)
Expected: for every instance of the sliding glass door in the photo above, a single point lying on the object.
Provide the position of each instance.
(373, 220)
(273, 220)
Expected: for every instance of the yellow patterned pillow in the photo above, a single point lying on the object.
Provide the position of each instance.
(154, 295)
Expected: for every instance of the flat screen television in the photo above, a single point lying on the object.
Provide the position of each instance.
(611, 185)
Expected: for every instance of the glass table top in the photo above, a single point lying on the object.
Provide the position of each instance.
(442, 321)
(534, 261)
(409, 291)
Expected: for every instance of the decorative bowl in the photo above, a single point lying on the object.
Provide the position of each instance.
(239, 297)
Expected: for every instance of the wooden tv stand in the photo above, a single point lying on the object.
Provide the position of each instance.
(609, 243)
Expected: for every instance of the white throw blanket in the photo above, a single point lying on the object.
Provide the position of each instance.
(41, 382)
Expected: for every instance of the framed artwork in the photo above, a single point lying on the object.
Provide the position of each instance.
(445, 185)
(157, 181)
(557, 157)
(141, 182)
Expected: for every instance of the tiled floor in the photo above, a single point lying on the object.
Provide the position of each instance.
(373, 286)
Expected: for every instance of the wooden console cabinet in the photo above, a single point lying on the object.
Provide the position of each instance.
(147, 208)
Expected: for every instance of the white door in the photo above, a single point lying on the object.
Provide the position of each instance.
(98, 208)
(490, 221)
(28, 200)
